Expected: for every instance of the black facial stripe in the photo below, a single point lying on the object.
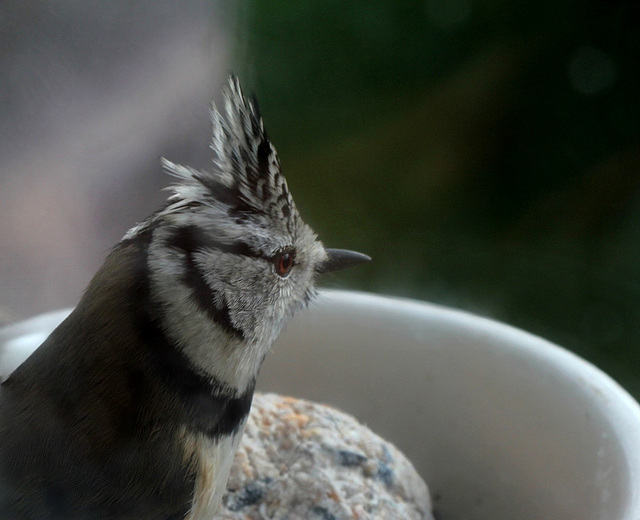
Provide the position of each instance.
(209, 407)
(189, 239)
(192, 238)
(235, 248)
(206, 299)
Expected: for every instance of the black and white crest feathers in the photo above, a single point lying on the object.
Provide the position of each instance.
(246, 177)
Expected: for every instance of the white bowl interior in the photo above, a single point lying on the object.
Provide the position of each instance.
(500, 423)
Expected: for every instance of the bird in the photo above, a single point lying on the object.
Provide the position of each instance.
(134, 406)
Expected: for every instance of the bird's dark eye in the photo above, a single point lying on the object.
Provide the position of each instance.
(284, 263)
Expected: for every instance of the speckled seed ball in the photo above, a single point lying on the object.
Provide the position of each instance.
(302, 460)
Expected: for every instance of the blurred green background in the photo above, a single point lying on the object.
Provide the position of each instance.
(485, 153)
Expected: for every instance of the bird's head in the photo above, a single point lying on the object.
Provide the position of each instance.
(230, 258)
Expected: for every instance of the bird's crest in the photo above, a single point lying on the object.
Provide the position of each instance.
(246, 176)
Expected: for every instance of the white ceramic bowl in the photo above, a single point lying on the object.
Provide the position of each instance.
(502, 425)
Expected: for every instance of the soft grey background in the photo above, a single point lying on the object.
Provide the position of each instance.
(92, 95)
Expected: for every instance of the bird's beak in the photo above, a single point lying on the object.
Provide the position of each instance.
(339, 259)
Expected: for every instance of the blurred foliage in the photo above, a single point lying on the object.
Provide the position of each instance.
(485, 153)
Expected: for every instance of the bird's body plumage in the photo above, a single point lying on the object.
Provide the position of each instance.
(92, 428)
(134, 406)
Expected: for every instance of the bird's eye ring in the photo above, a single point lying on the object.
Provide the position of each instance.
(283, 263)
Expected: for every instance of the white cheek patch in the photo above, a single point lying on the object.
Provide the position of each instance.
(232, 361)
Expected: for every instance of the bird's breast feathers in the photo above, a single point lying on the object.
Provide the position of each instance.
(212, 461)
